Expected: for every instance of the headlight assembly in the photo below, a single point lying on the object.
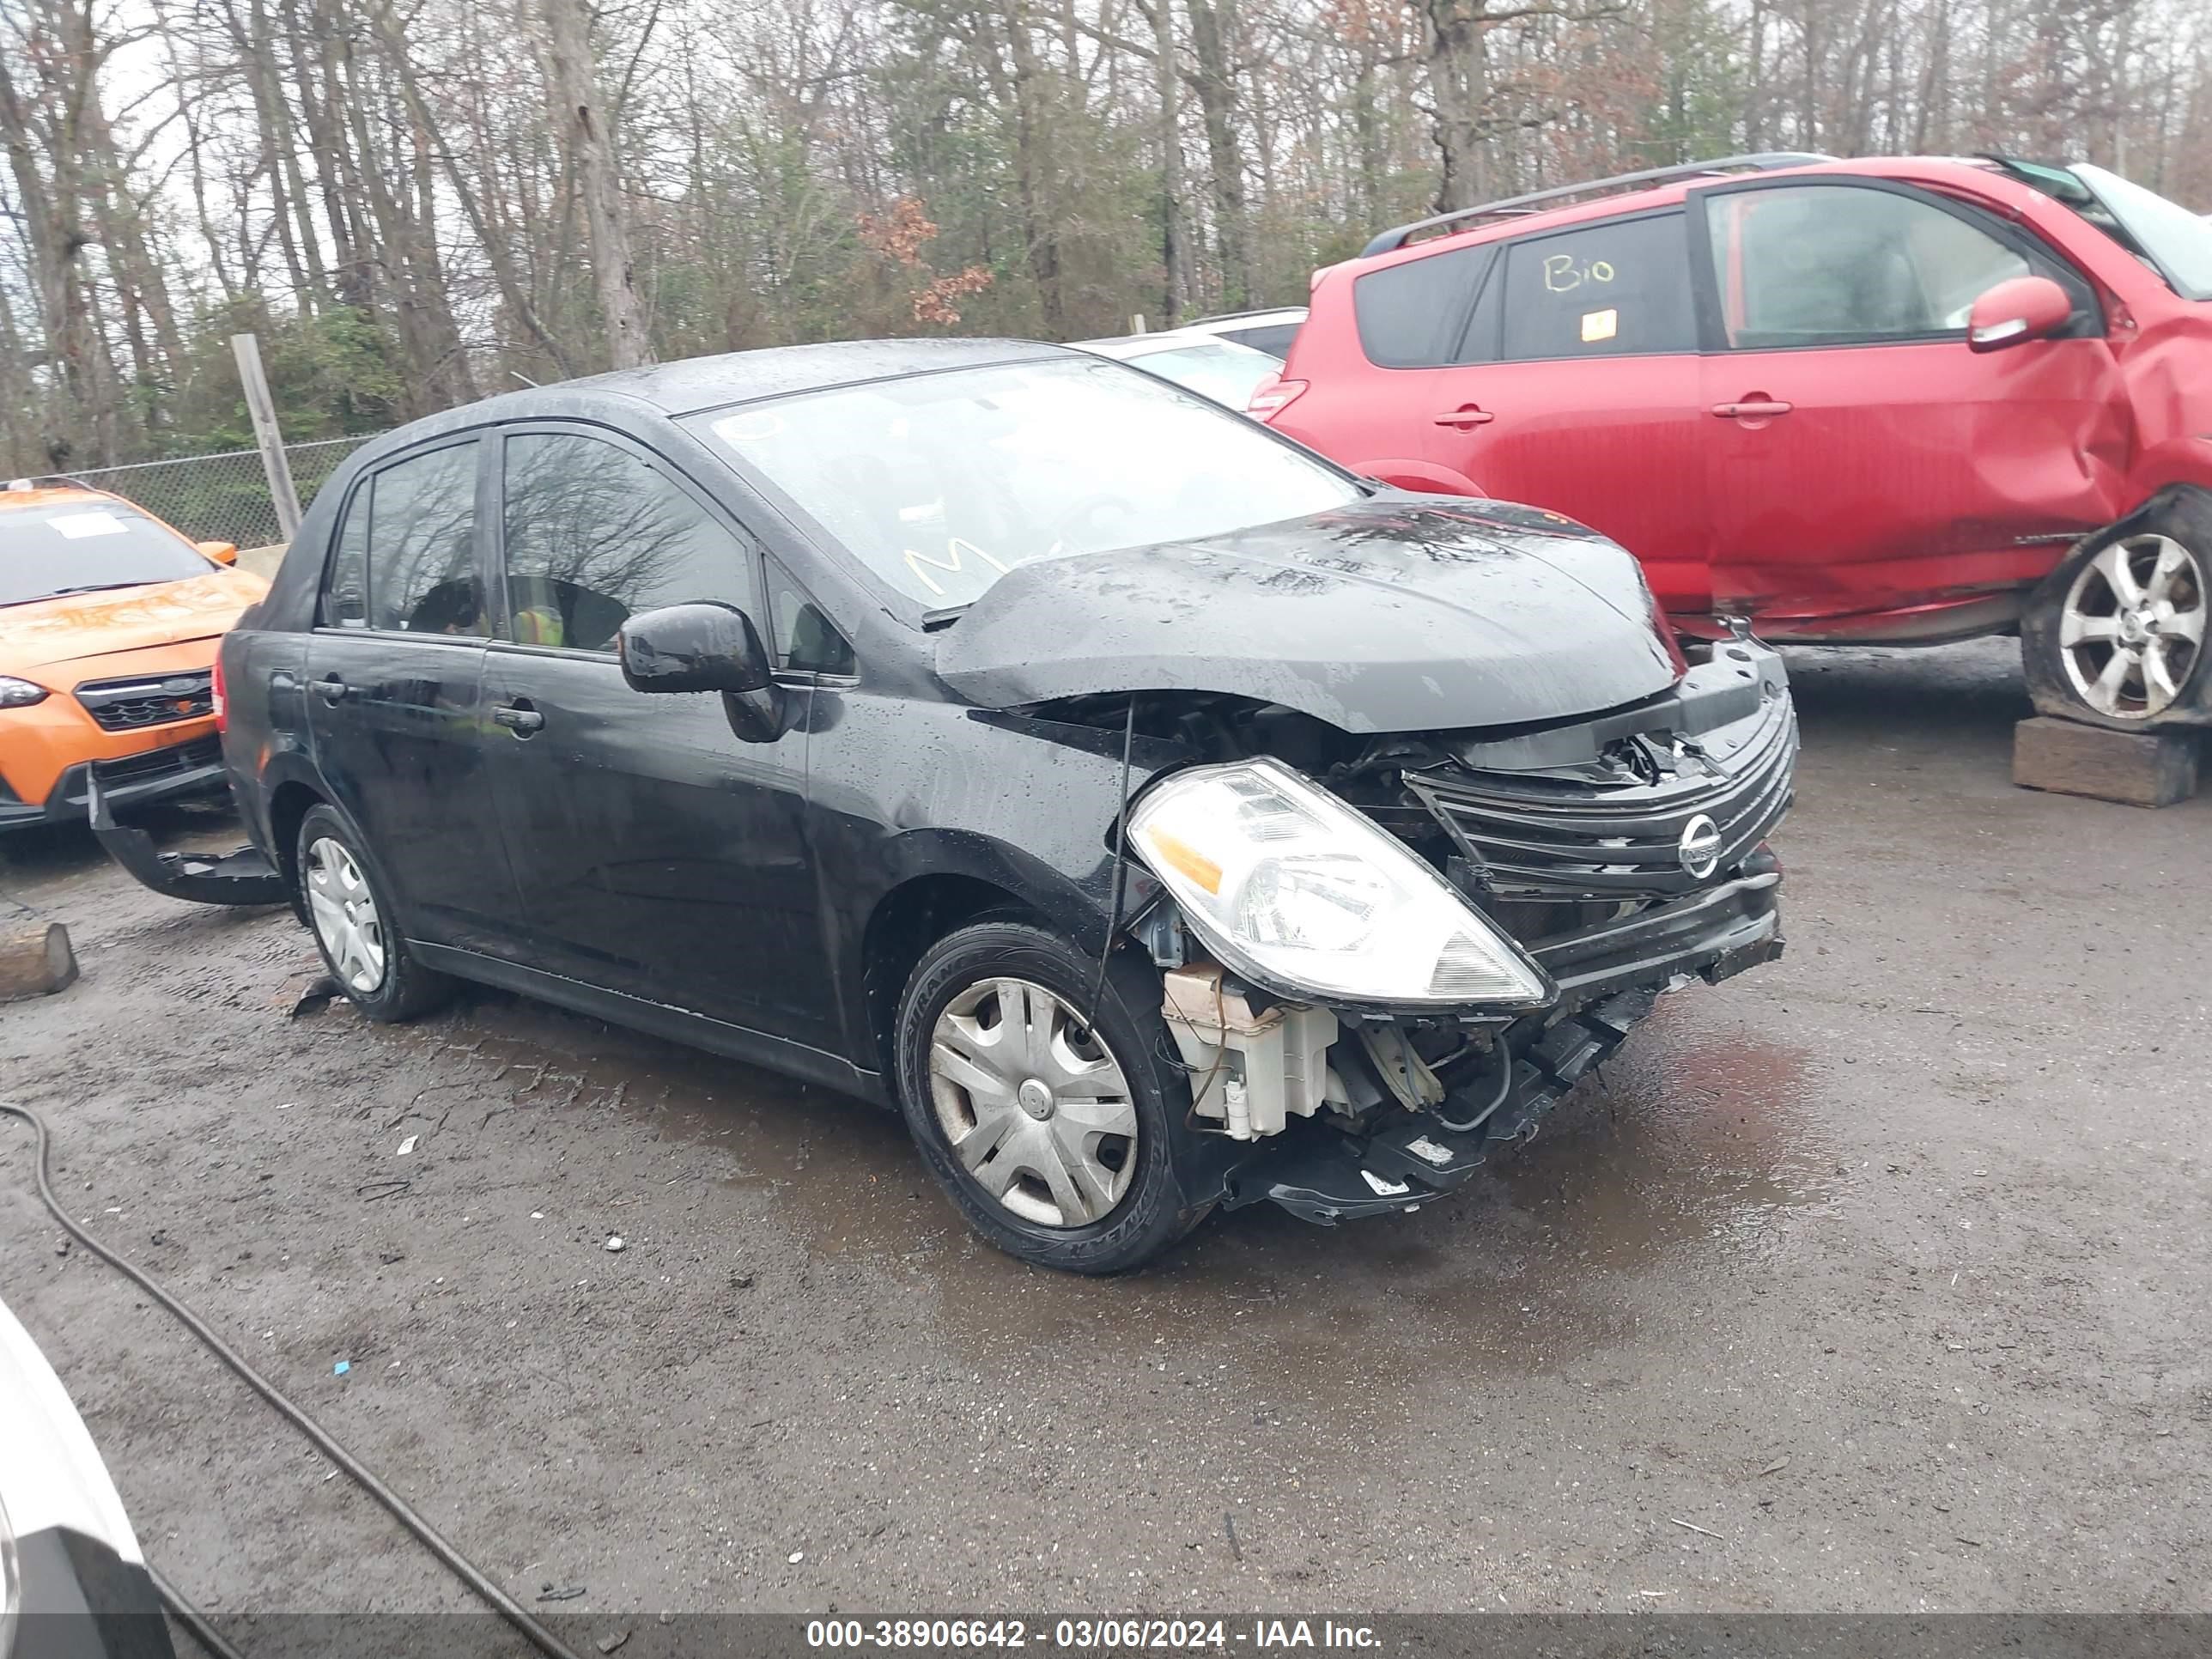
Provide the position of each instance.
(1303, 895)
(20, 694)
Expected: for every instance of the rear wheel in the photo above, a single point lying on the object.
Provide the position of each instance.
(1053, 1135)
(349, 912)
(2115, 637)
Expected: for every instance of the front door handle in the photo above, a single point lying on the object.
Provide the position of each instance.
(1466, 417)
(331, 689)
(518, 717)
(1752, 409)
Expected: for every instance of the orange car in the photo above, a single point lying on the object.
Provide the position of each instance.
(108, 625)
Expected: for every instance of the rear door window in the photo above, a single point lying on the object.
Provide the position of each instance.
(1615, 288)
(1834, 264)
(594, 535)
(406, 560)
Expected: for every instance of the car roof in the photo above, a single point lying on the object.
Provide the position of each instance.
(693, 384)
(1973, 173)
(1123, 347)
(1266, 314)
(28, 493)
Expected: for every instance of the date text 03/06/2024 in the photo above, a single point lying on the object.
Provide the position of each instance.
(1090, 1635)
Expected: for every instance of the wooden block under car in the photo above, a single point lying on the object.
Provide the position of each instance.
(35, 958)
(2137, 768)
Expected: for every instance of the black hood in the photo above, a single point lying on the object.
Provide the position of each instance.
(1396, 614)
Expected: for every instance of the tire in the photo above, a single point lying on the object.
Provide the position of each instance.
(2106, 638)
(362, 947)
(1114, 1199)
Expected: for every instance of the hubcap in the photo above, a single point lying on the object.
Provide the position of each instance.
(1035, 1108)
(345, 912)
(2132, 626)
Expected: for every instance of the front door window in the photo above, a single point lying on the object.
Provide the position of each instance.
(1822, 265)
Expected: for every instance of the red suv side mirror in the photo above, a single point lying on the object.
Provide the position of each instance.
(2023, 308)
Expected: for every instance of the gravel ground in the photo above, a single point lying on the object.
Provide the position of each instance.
(1875, 1279)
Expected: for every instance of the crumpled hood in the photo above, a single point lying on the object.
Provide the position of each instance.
(45, 632)
(1399, 613)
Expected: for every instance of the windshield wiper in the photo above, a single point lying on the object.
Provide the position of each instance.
(85, 587)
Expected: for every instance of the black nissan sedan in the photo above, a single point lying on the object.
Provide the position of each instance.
(1157, 815)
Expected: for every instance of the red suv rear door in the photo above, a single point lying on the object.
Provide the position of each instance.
(1580, 390)
(1868, 475)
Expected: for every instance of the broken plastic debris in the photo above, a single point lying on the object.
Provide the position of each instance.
(537, 1215)
(342, 1368)
(407, 1145)
(614, 1242)
(796, 1557)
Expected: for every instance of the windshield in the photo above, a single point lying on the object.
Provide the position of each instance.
(1217, 369)
(2177, 242)
(80, 547)
(940, 483)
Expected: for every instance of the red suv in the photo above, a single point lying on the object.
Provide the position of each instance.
(1883, 401)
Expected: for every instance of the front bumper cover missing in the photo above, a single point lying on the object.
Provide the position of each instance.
(1611, 977)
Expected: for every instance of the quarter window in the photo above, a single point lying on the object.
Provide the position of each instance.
(1834, 264)
(420, 546)
(1603, 290)
(1410, 314)
(345, 595)
(595, 536)
(805, 640)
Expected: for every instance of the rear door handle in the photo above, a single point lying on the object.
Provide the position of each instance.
(518, 717)
(1466, 417)
(331, 689)
(1752, 409)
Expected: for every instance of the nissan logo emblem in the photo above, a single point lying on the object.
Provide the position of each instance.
(1699, 849)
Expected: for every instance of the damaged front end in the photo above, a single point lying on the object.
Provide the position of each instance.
(1383, 956)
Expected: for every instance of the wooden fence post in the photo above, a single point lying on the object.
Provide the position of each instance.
(263, 408)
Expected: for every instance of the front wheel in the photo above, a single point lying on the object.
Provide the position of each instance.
(2115, 635)
(1053, 1135)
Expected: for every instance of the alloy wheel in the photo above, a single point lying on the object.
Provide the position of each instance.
(2132, 626)
(1033, 1106)
(345, 917)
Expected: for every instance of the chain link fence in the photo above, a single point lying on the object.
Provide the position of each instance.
(223, 498)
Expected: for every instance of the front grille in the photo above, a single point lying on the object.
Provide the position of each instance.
(127, 705)
(1529, 836)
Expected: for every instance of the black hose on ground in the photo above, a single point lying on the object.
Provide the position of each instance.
(400, 1511)
(191, 1618)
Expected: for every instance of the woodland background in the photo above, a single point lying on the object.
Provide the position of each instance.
(417, 203)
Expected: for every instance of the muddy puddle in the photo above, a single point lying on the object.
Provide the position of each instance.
(1691, 1164)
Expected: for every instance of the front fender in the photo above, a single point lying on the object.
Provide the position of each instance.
(2178, 462)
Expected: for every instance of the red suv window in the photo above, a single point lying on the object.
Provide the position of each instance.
(1608, 289)
(1832, 265)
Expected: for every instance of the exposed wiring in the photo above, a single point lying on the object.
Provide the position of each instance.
(505, 1605)
(1120, 867)
(1506, 1068)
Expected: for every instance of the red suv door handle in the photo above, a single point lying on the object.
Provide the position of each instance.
(1466, 417)
(1753, 408)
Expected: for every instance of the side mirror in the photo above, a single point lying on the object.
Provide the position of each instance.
(221, 552)
(2022, 308)
(704, 646)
